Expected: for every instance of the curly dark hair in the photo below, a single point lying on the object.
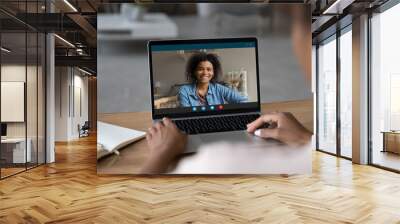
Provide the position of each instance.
(195, 60)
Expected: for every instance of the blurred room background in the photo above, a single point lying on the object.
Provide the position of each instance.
(283, 32)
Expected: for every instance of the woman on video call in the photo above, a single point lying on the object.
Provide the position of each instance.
(203, 70)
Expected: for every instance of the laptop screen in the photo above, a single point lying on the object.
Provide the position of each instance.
(204, 77)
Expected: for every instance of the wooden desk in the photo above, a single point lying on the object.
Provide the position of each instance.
(131, 158)
(13, 150)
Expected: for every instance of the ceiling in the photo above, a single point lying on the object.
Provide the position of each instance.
(76, 25)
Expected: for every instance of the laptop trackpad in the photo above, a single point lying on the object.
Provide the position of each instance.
(193, 144)
(196, 141)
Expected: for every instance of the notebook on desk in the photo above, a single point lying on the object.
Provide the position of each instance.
(111, 138)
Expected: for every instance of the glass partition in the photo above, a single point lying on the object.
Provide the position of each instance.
(334, 94)
(41, 107)
(32, 86)
(346, 92)
(327, 95)
(13, 105)
(23, 91)
(385, 89)
(31, 99)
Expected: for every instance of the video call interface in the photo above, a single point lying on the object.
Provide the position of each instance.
(204, 77)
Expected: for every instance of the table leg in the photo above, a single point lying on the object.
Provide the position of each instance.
(384, 142)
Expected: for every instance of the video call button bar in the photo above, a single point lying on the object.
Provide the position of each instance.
(205, 108)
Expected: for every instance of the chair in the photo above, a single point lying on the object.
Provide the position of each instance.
(84, 130)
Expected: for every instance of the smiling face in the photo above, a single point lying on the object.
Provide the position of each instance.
(204, 72)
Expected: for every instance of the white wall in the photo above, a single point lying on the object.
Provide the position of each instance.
(70, 83)
(16, 73)
(80, 110)
(61, 103)
(33, 126)
(12, 100)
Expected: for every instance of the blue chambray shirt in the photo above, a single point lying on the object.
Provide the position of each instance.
(217, 94)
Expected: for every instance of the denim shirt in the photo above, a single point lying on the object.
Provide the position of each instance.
(217, 94)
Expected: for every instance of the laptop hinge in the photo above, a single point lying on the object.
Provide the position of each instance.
(215, 115)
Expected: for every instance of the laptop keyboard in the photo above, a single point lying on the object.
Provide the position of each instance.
(215, 124)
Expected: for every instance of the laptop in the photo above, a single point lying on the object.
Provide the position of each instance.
(208, 87)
